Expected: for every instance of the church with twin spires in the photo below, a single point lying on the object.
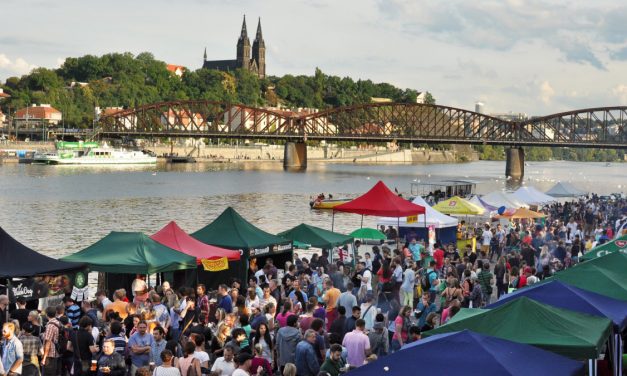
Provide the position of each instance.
(255, 63)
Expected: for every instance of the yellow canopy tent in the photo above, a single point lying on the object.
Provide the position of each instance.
(521, 213)
(458, 206)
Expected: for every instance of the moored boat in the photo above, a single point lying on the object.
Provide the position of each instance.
(327, 203)
(90, 153)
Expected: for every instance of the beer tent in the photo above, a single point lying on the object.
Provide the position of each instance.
(572, 334)
(564, 189)
(210, 259)
(474, 354)
(380, 201)
(316, 236)
(618, 245)
(17, 260)
(458, 206)
(230, 230)
(131, 252)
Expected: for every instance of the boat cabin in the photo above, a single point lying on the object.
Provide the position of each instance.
(444, 189)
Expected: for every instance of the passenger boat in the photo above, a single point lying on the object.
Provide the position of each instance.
(91, 153)
(320, 203)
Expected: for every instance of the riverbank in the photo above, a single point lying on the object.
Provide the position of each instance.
(227, 153)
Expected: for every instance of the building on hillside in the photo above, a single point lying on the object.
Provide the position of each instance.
(245, 118)
(176, 69)
(380, 100)
(38, 115)
(255, 62)
(128, 121)
(3, 95)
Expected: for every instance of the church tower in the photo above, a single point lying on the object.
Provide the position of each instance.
(259, 51)
(243, 48)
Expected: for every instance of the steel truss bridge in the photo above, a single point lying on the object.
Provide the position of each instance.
(603, 127)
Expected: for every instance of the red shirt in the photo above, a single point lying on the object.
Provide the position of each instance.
(438, 256)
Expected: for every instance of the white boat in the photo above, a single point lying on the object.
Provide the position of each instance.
(92, 154)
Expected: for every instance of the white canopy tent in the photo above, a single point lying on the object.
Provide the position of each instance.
(563, 189)
(434, 218)
(499, 198)
(532, 196)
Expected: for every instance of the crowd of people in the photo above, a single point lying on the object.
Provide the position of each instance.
(316, 318)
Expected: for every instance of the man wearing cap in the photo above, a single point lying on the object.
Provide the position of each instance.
(305, 355)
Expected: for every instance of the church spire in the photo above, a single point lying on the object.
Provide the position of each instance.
(259, 36)
(205, 55)
(244, 33)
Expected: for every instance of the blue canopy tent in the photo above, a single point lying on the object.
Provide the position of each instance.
(563, 295)
(475, 353)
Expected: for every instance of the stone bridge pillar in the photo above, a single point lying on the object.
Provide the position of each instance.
(295, 156)
(515, 165)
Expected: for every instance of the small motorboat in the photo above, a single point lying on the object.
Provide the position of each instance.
(322, 202)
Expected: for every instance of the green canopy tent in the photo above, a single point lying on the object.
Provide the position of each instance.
(575, 335)
(368, 233)
(605, 275)
(316, 237)
(130, 253)
(618, 245)
(465, 313)
(230, 230)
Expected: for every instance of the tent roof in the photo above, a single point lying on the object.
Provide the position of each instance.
(458, 206)
(522, 213)
(316, 236)
(171, 235)
(231, 230)
(482, 204)
(434, 218)
(617, 245)
(478, 354)
(498, 199)
(564, 189)
(532, 196)
(131, 252)
(565, 296)
(572, 334)
(379, 200)
(17, 260)
(604, 275)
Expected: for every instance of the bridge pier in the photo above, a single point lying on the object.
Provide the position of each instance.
(295, 156)
(515, 164)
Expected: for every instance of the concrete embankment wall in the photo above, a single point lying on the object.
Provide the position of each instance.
(275, 152)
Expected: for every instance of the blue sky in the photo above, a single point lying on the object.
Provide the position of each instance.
(538, 57)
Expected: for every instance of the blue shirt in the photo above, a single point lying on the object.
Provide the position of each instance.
(12, 351)
(306, 360)
(226, 303)
(415, 251)
(137, 339)
(155, 351)
(73, 313)
(425, 312)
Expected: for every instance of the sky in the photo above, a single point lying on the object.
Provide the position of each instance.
(536, 57)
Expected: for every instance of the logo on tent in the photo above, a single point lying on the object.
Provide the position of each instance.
(452, 203)
(621, 243)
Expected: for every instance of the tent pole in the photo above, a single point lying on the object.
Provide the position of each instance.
(9, 297)
(362, 221)
(332, 219)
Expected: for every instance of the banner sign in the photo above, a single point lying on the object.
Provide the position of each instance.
(277, 248)
(215, 265)
(46, 286)
(412, 219)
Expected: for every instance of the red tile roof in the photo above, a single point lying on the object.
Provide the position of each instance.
(37, 112)
(173, 67)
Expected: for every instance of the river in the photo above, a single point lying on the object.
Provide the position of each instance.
(59, 210)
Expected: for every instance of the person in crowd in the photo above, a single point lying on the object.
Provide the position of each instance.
(350, 322)
(139, 345)
(379, 338)
(109, 362)
(263, 339)
(33, 350)
(259, 360)
(72, 311)
(12, 350)
(357, 344)
(331, 297)
(334, 364)
(338, 326)
(305, 355)
(401, 328)
(51, 360)
(347, 299)
(188, 361)
(85, 345)
(157, 346)
(166, 368)
(287, 339)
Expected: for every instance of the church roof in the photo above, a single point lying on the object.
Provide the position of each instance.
(223, 65)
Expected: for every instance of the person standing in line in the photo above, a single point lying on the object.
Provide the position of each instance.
(51, 360)
(139, 345)
(12, 350)
(33, 349)
(408, 285)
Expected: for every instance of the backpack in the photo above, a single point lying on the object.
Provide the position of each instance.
(62, 340)
(425, 281)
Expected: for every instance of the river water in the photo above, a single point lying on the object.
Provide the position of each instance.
(59, 210)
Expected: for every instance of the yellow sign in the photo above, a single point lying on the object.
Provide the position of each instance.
(215, 265)
(412, 219)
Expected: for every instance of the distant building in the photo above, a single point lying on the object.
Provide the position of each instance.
(255, 63)
(4, 95)
(421, 97)
(38, 115)
(181, 120)
(510, 116)
(176, 69)
(380, 100)
(480, 107)
(239, 117)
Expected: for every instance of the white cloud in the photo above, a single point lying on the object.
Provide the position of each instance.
(620, 92)
(17, 66)
(546, 92)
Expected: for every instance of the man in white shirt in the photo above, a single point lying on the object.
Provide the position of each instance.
(224, 366)
(487, 237)
(366, 277)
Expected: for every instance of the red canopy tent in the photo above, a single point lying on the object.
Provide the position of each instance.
(380, 201)
(174, 237)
